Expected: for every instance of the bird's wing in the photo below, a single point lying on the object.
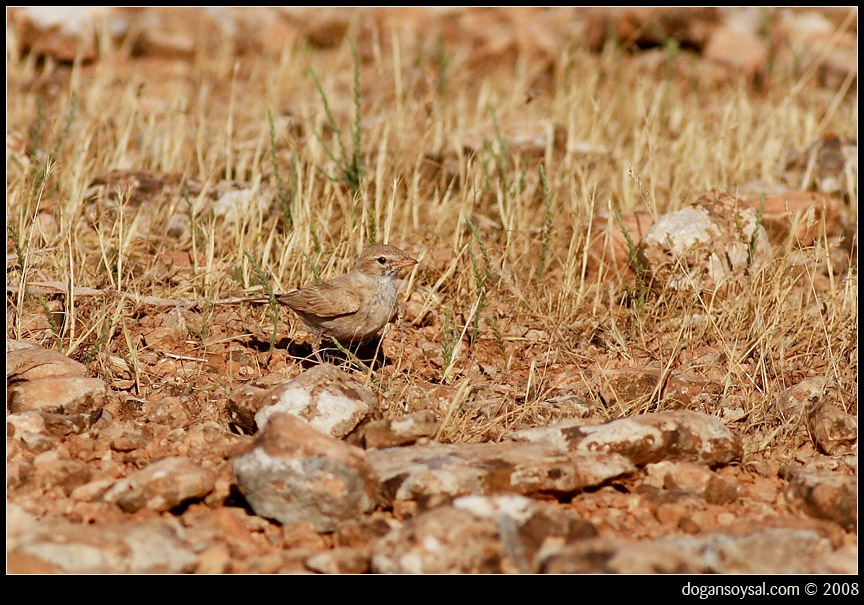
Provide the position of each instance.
(324, 300)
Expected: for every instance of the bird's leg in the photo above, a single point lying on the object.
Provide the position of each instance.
(316, 346)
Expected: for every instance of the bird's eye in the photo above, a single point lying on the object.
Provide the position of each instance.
(382, 260)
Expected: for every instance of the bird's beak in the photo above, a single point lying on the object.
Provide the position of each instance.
(405, 262)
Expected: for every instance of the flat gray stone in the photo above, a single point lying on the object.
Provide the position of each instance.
(329, 399)
(394, 432)
(295, 473)
(66, 395)
(824, 494)
(491, 468)
(774, 550)
(162, 485)
(151, 546)
(477, 534)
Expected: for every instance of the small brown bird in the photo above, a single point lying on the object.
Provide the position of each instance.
(354, 307)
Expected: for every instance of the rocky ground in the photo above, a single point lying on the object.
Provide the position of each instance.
(246, 460)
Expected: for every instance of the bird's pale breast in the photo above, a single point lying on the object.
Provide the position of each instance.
(374, 313)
